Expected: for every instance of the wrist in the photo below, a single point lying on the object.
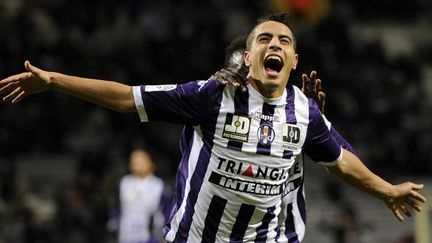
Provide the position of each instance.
(388, 193)
(53, 79)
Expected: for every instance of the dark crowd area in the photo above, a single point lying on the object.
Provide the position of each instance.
(374, 58)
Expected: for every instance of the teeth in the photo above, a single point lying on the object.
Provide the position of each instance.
(274, 58)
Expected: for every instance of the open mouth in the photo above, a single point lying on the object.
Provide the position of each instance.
(273, 63)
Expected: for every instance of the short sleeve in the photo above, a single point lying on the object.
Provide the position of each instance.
(187, 104)
(320, 145)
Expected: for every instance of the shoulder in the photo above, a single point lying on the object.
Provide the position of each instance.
(127, 178)
(156, 182)
(301, 99)
(202, 86)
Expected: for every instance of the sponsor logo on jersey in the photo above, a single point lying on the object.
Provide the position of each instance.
(239, 185)
(202, 83)
(290, 136)
(265, 134)
(167, 87)
(254, 171)
(236, 127)
(261, 116)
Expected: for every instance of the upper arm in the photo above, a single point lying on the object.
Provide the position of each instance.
(186, 104)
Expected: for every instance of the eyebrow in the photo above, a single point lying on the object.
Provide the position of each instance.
(267, 34)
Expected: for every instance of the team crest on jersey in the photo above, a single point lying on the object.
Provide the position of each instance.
(266, 134)
(290, 137)
(236, 127)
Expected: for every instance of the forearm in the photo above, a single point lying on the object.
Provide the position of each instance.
(355, 173)
(109, 94)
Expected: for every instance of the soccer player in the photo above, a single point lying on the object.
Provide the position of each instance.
(292, 219)
(142, 196)
(232, 174)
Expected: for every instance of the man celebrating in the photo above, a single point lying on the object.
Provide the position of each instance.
(231, 177)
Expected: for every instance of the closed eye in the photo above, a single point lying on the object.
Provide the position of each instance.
(285, 40)
(264, 38)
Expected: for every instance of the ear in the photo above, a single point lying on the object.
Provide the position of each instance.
(295, 61)
(246, 58)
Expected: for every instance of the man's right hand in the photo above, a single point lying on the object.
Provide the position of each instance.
(18, 86)
(312, 89)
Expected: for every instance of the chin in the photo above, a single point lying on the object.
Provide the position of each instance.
(274, 80)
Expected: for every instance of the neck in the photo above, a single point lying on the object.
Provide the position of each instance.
(266, 90)
(142, 175)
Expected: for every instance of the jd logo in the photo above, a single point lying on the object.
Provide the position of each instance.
(236, 127)
(291, 136)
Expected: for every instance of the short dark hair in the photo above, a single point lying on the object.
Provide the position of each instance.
(283, 18)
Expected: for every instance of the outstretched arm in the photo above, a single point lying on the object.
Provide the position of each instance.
(109, 94)
(397, 197)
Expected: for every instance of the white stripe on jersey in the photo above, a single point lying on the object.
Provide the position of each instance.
(226, 105)
(139, 104)
(327, 122)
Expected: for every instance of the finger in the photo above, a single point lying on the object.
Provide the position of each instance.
(321, 95)
(231, 70)
(312, 82)
(8, 87)
(418, 196)
(414, 205)
(321, 101)
(12, 95)
(313, 75)
(318, 86)
(398, 215)
(233, 81)
(230, 74)
(15, 78)
(405, 210)
(32, 68)
(20, 96)
(219, 77)
(306, 80)
(244, 87)
(417, 186)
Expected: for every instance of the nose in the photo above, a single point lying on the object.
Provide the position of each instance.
(274, 44)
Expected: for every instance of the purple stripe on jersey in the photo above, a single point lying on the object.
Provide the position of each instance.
(290, 115)
(262, 230)
(213, 218)
(289, 221)
(292, 238)
(269, 111)
(182, 173)
(241, 107)
(301, 203)
(208, 130)
(242, 222)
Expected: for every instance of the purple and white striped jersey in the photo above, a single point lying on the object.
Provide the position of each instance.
(238, 150)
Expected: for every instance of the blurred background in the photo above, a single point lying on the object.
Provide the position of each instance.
(61, 158)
